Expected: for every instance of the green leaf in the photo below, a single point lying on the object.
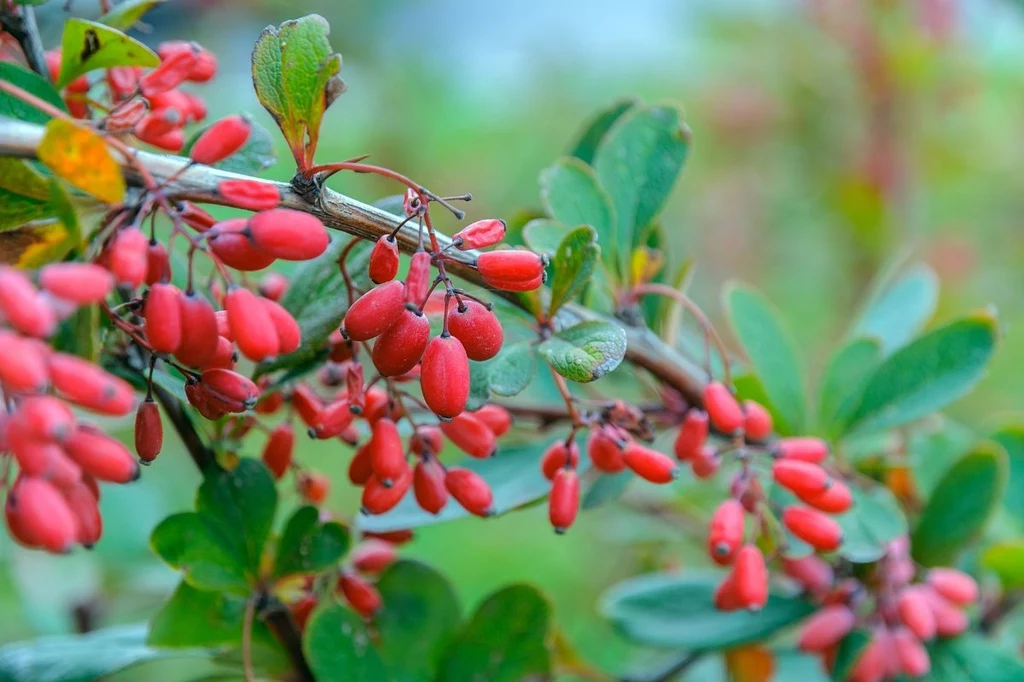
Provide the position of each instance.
(544, 236)
(128, 13)
(773, 355)
(585, 352)
(24, 194)
(638, 162)
(605, 488)
(874, 520)
(88, 45)
(420, 617)
(479, 385)
(512, 369)
(338, 647)
(844, 380)
(32, 83)
(934, 449)
(197, 618)
(598, 126)
(1011, 437)
(308, 546)
(971, 658)
(256, 155)
(573, 196)
(678, 611)
(504, 641)
(897, 311)
(850, 651)
(220, 545)
(926, 375)
(960, 505)
(574, 266)
(1006, 560)
(295, 73)
(82, 658)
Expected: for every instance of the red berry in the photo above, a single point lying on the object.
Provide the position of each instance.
(251, 324)
(205, 66)
(288, 234)
(360, 469)
(400, 348)
(477, 328)
(302, 609)
(221, 140)
(307, 403)
(706, 462)
(956, 586)
(417, 281)
(470, 490)
(812, 572)
(332, 419)
(22, 307)
(727, 598)
(480, 235)
(377, 404)
(444, 376)
(223, 358)
(126, 116)
(471, 435)
(429, 485)
(725, 413)
(38, 515)
(46, 418)
(208, 406)
(273, 285)
(835, 499)
(277, 453)
(22, 364)
(196, 218)
(162, 122)
(374, 312)
(559, 456)
(235, 249)
(171, 141)
(313, 487)
(751, 576)
(871, 665)
(508, 270)
(950, 621)
(826, 628)
(650, 464)
(128, 258)
(162, 312)
(383, 265)
(387, 454)
(158, 263)
(813, 527)
(757, 423)
(426, 440)
(149, 431)
(86, 384)
(361, 595)
(564, 502)
(725, 534)
(85, 508)
(34, 455)
(253, 195)
(199, 337)
(77, 282)
(379, 498)
(605, 448)
(172, 72)
(692, 434)
(916, 612)
(231, 387)
(801, 477)
(373, 556)
(913, 657)
(101, 456)
(289, 335)
(813, 450)
(496, 417)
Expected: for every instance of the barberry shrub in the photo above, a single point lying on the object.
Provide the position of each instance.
(845, 531)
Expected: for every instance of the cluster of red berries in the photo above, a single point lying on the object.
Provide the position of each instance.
(900, 614)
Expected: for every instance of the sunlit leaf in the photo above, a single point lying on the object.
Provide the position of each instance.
(81, 158)
(126, 14)
(573, 265)
(88, 45)
(585, 352)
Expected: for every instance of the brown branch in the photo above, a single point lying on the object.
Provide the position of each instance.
(282, 626)
(22, 26)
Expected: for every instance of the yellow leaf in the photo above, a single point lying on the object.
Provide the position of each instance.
(750, 664)
(34, 245)
(646, 263)
(80, 156)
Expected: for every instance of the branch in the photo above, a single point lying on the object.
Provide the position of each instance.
(279, 621)
(24, 29)
(338, 212)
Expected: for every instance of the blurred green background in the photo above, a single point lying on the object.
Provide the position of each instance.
(831, 139)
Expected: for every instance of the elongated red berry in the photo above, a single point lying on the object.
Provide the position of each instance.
(307, 403)
(383, 263)
(171, 141)
(251, 324)
(332, 419)
(724, 411)
(360, 469)
(400, 348)
(751, 576)
(559, 456)
(470, 490)
(361, 595)
(158, 263)
(125, 117)
(33, 454)
(101, 456)
(287, 330)
(950, 621)
(149, 431)
(872, 664)
(235, 249)
(205, 65)
(162, 312)
(273, 285)
(426, 441)
(444, 376)
(471, 435)
(221, 140)
(429, 485)
(41, 517)
(477, 328)
(199, 398)
(417, 281)
(172, 72)
(813, 450)
(253, 195)
(90, 386)
(564, 503)
(509, 270)
(199, 337)
(834, 499)
(379, 498)
(826, 627)
(22, 307)
(313, 487)
(813, 527)
(46, 418)
(22, 364)
(480, 235)
(605, 447)
(802, 477)
(692, 434)
(387, 454)
(812, 572)
(725, 534)
(374, 312)
(757, 423)
(159, 123)
(706, 462)
(277, 453)
(650, 464)
(80, 283)
(231, 386)
(373, 556)
(914, 660)
(916, 612)
(288, 234)
(496, 417)
(85, 508)
(955, 586)
(128, 260)
(196, 218)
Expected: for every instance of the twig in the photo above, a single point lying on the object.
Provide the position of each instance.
(280, 623)
(250, 613)
(676, 667)
(24, 29)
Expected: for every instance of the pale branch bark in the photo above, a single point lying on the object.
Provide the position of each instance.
(339, 212)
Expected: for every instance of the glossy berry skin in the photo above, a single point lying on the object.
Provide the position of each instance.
(231, 386)
(509, 270)
(834, 499)
(417, 281)
(45, 418)
(158, 263)
(22, 307)
(221, 140)
(803, 478)
(90, 386)
(605, 447)
(22, 365)
(361, 595)
(199, 337)
(813, 527)
(149, 431)
(251, 325)
(273, 286)
(374, 312)
(955, 586)
(726, 597)
(384, 260)
(163, 318)
(757, 422)
(38, 515)
(373, 556)
(172, 72)
(650, 464)
(332, 419)
(429, 485)
(913, 658)
(950, 621)
(277, 453)
(826, 628)
(564, 502)
(101, 456)
(400, 348)
(289, 335)
(916, 612)
(85, 508)
(559, 456)
(288, 234)
(705, 463)
(725, 533)
(306, 403)
(387, 454)
(692, 434)
(80, 283)
(470, 490)
(360, 469)
(444, 376)
(812, 572)
(235, 249)
(471, 435)
(313, 487)
(477, 328)
(496, 417)
(813, 450)
(253, 195)
(725, 413)
(379, 498)
(480, 235)
(751, 576)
